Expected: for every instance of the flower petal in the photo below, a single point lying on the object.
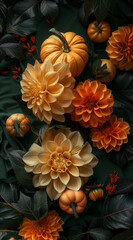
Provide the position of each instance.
(58, 185)
(44, 180)
(56, 90)
(85, 171)
(66, 145)
(64, 177)
(31, 158)
(74, 183)
(73, 170)
(51, 78)
(52, 193)
(59, 138)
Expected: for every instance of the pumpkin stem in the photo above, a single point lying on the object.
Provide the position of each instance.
(73, 205)
(16, 126)
(66, 48)
(99, 30)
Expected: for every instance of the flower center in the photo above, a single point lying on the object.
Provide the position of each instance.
(89, 103)
(59, 162)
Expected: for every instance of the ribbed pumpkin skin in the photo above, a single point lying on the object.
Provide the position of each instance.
(52, 48)
(22, 121)
(77, 197)
(99, 36)
(96, 194)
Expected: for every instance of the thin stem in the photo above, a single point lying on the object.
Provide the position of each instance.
(66, 48)
(72, 204)
(111, 214)
(16, 126)
(99, 30)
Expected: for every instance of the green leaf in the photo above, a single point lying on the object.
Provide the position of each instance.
(100, 234)
(122, 88)
(43, 129)
(23, 178)
(6, 234)
(40, 205)
(23, 18)
(24, 205)
(9, 217)
(9, 192)
(126, 235)
(49, 9)
(9, 47)
(119, 212)
(124, 155)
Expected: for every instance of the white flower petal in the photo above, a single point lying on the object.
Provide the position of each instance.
(73, 170)
(58, 185)
(64, 177)
(85, 171)
(44, 180)
(76, 160)
(28, 168)
(74, 183)
(37, 168)
(52, 193)
(36, 181)
(94, 162)
(44, 157)
(66, 145)
(31, 158)
(59, 138)
(54, 175)
(76, 139)
(86, 150)
(45, 169)
(51, 146)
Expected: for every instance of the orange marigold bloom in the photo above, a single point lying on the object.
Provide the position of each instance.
(47, 89)
(111, 135)
(93, 103)
(46, 228)
(120, 47)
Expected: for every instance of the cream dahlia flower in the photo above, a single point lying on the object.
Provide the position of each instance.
(47, 89)
(63, 161)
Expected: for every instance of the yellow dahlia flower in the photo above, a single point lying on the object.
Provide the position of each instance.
(63, 161)
(46, 228)
(47, 89)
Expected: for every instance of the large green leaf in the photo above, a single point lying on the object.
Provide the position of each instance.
(126, 235)
(9, 47)
(23, 178)
(4, 235)
(39, 204)
(49, 9)
(33, 208)
(9, 217)
(100, 234)
(23, 18)
(9, 192)
(122, 88)
(118, 212)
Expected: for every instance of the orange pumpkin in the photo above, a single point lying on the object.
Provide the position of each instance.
(73, 202)
(66, 47)
(110, 68)
(99, 32)
(17, 125)
(96, 194)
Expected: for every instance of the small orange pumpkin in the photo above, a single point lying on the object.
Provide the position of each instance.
(96, 194)
(73, 202)
(17, 125)
(66, 47)
(99, 32)
(110, 68)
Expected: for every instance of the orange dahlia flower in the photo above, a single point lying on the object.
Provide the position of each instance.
(47, 228)
(120, 47)
(92, 103)
(63, 161)
(48, 90)
(111, 135)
